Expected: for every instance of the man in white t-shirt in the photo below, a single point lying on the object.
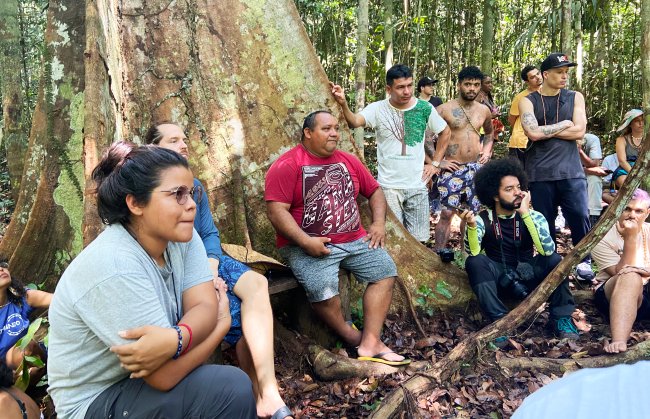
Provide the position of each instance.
(403, 168)
(623, 257)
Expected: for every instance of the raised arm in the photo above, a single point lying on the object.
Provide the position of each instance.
(285, 224)
(532, 129)
(354, 120)
(579, 128)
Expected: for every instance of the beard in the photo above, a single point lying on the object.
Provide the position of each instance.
(510, 206)
(467, 96)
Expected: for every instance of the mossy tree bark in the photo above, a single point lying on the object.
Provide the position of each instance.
(240, 76)
(43, 234)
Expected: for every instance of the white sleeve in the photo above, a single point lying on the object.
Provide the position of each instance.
(435, 122)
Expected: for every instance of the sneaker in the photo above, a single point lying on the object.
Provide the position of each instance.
(565, 329)
(584, 272)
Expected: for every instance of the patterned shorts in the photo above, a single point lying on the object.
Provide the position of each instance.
(320, 276)
(458, 187)
(230, 270)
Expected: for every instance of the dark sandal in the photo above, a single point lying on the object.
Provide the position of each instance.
(282, 413)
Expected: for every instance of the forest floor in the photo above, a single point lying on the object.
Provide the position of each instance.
(481, 389)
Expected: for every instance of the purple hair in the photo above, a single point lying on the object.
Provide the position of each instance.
(641, 195)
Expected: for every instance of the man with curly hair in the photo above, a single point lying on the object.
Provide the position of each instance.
(508, 233)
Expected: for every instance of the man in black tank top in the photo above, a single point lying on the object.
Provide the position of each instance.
(501, 243)
(554, 119)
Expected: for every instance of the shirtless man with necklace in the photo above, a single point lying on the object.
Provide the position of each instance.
(465, 154)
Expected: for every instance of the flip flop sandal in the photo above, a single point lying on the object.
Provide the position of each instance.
(282, 413)
(379, 358)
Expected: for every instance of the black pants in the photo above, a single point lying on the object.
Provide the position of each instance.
(517, 154)
(210, 391)
(484, 274)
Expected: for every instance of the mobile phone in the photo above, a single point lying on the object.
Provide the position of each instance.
(608, 171)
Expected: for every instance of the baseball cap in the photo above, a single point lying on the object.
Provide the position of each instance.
(555, 60)
(425, 81)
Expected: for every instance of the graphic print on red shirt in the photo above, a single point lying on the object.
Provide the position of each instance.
(329, 202)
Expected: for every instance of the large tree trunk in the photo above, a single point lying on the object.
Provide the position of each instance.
(487, 38)
(15, 132)
(45, 229)
(361, 66)
(240, 76)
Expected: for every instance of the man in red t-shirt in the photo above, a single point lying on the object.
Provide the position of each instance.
(311, 193)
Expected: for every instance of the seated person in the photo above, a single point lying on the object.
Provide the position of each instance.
(610, 164)
(624, 261)
(628, 144)
(590, 157)
(14, 403)
(251, 329)
(311, 193)
(508, 233)
(133, 318)
(16, 304)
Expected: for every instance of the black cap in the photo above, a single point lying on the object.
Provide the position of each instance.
(425, 81)
(555, 60)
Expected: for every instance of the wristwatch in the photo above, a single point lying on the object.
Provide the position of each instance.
(435, 163)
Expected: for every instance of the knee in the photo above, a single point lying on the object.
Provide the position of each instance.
(629, 281)
(478, 269)
(253, 285)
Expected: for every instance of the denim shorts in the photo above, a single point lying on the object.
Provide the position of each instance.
(320, 276)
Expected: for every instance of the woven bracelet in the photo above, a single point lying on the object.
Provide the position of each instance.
(180, 342)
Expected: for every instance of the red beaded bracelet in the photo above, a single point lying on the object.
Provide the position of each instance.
(189, 342)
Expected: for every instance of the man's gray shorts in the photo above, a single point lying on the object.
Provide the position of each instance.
(320, 276)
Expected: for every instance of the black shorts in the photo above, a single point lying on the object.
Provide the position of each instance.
(602, 304)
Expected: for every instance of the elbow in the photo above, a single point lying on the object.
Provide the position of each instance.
(160, 383)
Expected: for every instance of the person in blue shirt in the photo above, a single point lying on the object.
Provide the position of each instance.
(251, 331)
(16, 304)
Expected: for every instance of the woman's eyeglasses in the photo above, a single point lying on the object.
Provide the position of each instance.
(182, 192)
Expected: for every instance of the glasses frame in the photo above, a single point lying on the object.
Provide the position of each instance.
(183, 192)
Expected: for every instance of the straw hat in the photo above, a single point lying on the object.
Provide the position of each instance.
(629, 116)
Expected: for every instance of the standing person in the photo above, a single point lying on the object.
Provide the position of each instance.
(628, 144)
(518, 140)
(591, 156)
(403, 168)
(310, 194)
(251, 329)
(508, 232)
(623, 257)
(425, 91)
(554, 119)
(465, 154)
(133, 319)
(485, 97)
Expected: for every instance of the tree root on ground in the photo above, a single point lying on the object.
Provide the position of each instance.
(633, 354)
(329, 366)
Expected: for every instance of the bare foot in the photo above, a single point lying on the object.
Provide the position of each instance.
(615, 347)
(380, 348)
(267, 406)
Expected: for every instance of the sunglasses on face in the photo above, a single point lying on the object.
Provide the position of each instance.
(182, 192)
(4, 265)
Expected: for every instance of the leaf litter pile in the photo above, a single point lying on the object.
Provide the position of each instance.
(480, 389)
